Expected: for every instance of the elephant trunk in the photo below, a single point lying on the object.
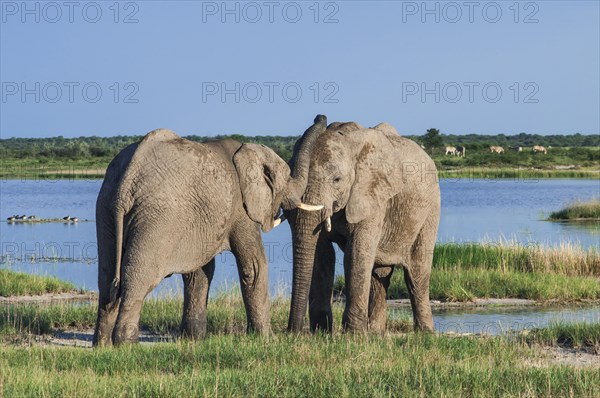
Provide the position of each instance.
(304, 237)
(300, 162)
(306, 218)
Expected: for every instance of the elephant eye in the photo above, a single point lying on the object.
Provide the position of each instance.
(337, 179)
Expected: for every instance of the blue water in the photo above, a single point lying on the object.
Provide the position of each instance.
(501, 320)
(472, 210)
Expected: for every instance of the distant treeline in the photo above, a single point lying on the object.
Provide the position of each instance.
(108, 147)
(479, 141)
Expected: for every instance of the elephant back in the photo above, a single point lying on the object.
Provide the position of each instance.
(160, 135)
(343, 127)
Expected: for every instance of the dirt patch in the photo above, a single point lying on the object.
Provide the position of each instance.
(505, 302)
(579, 358)
(80, 338)
(49, 297)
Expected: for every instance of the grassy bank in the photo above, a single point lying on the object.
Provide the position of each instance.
(64, 161)
(20, 284)
(578, 211)
(462, 272)
(304, 365)
(581, 335)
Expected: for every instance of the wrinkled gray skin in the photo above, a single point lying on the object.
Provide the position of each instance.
(172, 205)
(382, 194)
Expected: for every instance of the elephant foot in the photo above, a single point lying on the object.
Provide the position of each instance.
(194, 329)
(321, 321)
(356, 324)
(126, 334)
(101, 340)
(424, 325)
(423, 328)
(378, 327)
(355, 328)
(263, 329)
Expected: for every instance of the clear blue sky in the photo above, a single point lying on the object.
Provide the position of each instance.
(370, 64)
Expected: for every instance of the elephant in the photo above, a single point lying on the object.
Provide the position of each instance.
(381, 201)
(168, 205)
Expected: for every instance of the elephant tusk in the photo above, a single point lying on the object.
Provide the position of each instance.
(278, 221)
(306, 207)
(328, 224)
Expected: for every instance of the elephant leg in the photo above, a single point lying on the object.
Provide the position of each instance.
(247, 247)
(417, 274)
(359, 259)
(380, 282)
(195, 297)
(107, 313)
(321, 289)
(107, 309)
(134, 288)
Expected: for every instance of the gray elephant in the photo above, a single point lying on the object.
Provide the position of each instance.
(168, 205)
(381, 201)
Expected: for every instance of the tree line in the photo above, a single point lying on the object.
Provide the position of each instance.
(108, 147)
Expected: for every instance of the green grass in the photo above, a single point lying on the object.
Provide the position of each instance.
(20, 284)
(462, 272)
(226, 315)
(580, 335)
(468, 284)
(53, 168)
(578, 211)
(292, 365)
(230, 363)
(566, 259)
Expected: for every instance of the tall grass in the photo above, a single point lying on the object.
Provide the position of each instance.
(462, 285)
(226, 315)
(19, 284)
(565, 259)
(462, 272)
(578, 335)
(578, 211)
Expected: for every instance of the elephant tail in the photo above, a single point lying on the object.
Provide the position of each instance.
(116, 282)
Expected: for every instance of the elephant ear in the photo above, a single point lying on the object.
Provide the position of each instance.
(263, 177)
(377, 178)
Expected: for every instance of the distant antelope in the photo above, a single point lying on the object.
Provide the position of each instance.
(451, 150)
(496, 149)
(460, 151)
(539, 148)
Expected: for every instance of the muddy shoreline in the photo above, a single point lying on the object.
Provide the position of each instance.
(50, 298)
